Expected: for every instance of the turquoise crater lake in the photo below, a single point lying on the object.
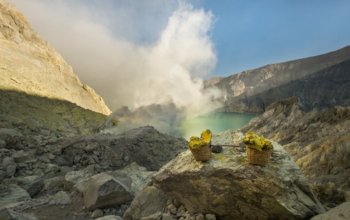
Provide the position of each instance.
(216, 122)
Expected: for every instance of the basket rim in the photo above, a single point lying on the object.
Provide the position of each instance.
(252, 148)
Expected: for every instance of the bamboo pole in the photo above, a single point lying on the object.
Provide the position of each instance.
(224, 145)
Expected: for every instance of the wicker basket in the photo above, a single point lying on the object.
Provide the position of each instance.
(258, 157)
(202, 154)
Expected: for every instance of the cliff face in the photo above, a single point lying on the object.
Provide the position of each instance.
(28, 64)
(318, 141)
(319, 81)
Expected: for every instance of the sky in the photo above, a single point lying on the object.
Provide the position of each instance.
(249, 34)
(143, 52)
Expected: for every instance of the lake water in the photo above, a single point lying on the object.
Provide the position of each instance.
(216, 122)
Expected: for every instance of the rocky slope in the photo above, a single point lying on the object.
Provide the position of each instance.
(82, 177)
(319, 82)
(226, 187)
(30, 65)
(318, 141)
(40, 117)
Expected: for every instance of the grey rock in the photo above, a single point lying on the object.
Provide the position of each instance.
(139, 176)
(12, 194)
(230, 188)
(10, 166)
(168, 216)
(216, 149)
(51, 169)
(60, 198)
(3, 174)
(181, 212)
(172, 209)
(54, 184)
(199, 217)
(110, 217)
(97, 213)
(210, 217)
(22, 156)
(340, 212)
(155, 216)
(11, 170)
(11, 137)
(148, 202)
(32, 184)
(104, 190)
(74, 179)
(2, 143)
(110, 211)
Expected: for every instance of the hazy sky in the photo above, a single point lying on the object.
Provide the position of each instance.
(245, 34)
(139, 52)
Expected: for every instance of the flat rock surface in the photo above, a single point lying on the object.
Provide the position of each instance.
(230, 188)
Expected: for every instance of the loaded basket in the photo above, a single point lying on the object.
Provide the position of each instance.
(259, 149)
(202, 154)
(200, 146)
(258, 157)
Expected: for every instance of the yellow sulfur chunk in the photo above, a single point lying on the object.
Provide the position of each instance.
(206, 136)
(257, 142)
(204, 140)
(196, 143)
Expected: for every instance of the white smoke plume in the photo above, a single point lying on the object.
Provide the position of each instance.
(128, 72)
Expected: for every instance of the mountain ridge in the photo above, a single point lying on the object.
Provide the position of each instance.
(239, 89)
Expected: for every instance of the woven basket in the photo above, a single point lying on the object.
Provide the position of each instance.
(202, 154)
(258, 157)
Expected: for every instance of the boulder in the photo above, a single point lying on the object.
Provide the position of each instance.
(74, 179)
(97, 213)
(32, 184)
(149, 201)
(53, 185)
(10, 137)
(139, 176)
(228, 187)
(60, 198)
(22, 156)
(12, 194)
(340, 212)
(9, 166)
(103, 190)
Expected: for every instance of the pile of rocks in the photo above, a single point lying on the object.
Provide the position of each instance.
(86, 177)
